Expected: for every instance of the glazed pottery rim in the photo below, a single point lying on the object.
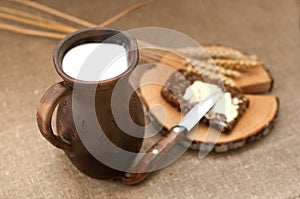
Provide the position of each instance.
(90, 35)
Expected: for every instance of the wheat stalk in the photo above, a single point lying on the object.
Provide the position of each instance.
(218, 52)
(25, 31)
(19, 16)
(196, 52)
(237, 64)
(38, 23)
(79, 21)
(172, 60)
(202, 65)
(59, 27)
(213, 76)
(225, 52)
(55, 12)
(226, 57)
(124, 13)
(206, 69)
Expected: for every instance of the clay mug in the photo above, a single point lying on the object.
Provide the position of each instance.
(60, 95)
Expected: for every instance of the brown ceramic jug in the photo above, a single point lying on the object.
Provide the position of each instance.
(60, 94)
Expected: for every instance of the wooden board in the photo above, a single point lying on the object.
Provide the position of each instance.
(253, 81)
(256, 121)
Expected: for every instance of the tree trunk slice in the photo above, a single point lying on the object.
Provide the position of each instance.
(252, 81)
(255, 123)
(255, 80)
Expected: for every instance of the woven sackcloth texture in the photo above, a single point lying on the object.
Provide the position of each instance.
(32, 168)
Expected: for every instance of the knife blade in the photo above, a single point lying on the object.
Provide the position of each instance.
(199, 110)
(177, 133)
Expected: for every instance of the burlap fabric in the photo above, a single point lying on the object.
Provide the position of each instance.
(32, 168)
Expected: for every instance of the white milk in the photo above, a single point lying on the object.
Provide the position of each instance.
(95, 61)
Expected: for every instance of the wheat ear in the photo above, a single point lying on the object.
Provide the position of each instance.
(223, 56)
(237, 64)
(225, 52)
(202, 65)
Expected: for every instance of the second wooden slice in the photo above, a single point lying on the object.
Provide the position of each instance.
(252, 81)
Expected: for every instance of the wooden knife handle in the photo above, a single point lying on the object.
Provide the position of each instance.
(153, 156)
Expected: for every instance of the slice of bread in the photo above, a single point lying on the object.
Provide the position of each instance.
(174, 90)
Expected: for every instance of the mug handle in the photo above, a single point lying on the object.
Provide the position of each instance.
(47, 105)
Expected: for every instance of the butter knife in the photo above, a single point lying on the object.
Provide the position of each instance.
(177, 133)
